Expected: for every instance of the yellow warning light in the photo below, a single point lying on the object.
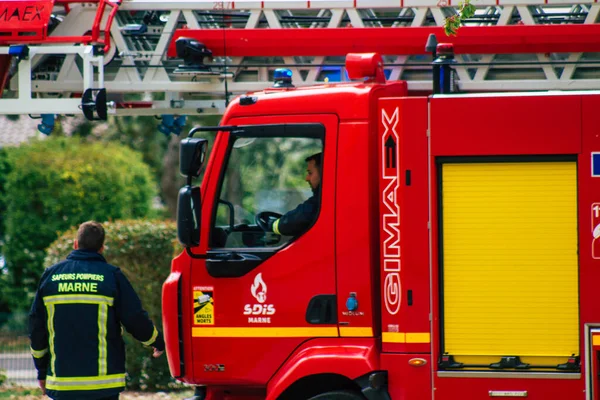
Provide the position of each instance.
(417, 362)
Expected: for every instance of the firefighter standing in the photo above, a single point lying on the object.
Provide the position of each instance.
(75, 323)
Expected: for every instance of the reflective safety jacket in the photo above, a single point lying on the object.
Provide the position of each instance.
(75, 327)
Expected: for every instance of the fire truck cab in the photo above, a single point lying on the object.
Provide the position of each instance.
(454, 254)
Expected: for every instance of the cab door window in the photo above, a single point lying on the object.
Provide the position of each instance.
(264, 180)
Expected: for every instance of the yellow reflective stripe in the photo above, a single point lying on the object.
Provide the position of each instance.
(83, 379)
(85, 382)
(358, 331)
(393, 337)
(276, 227)
(596, 340)
(152, 338)
(102, 350)
(50, 309)
(78, 299)
(405, 337)
(38, 353)
(418, 337)
(266, 332)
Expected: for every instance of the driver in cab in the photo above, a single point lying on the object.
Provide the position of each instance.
(296, 221)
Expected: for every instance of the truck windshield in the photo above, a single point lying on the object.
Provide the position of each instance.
(265, 177)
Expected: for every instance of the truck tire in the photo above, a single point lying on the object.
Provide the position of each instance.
(339, 395)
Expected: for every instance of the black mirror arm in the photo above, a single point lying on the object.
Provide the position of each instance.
(211, 129)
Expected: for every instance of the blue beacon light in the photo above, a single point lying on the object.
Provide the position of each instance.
(18, 50)
(282, 73)
(171, 124)
(47, 125)
(282, 77)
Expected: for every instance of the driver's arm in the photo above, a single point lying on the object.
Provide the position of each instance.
(298, 220)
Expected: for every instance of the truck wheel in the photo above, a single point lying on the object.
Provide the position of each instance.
(339, 395)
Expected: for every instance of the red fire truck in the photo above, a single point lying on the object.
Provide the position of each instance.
(454, 250)
(453, 256)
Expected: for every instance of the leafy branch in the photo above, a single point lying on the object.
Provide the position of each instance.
(466, 10)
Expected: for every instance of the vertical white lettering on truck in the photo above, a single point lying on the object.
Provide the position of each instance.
(390, 158)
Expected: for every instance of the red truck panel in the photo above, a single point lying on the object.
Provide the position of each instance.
(505, 125)
(470, 388)
(509, 125)
(24, 20)
(354, 244)
(589, 212)
(403, 207)
(589, 241)
(408, 381)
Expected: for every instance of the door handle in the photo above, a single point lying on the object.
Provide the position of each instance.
(232, 264)
(233, 257)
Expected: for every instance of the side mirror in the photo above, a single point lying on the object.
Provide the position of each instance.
(192, 152)
(188, 216)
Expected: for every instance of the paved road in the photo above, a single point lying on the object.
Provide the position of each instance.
(18, 368)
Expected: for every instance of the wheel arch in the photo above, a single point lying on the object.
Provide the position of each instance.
(342, 360)
(313, 385)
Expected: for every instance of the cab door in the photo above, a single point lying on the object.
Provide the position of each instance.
(259, 295)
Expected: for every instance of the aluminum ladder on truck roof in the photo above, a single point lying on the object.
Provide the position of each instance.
(506, 46)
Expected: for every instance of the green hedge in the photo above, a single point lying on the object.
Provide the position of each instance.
(4, 171)
(143, 250)
(58, 183)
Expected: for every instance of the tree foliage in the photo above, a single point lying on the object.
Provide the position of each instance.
(160, 152)
(140, 134)
(466, 10)
(143, 250)
(55, 184)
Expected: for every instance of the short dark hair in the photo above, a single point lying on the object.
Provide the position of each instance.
(316, 158)
(90, 236)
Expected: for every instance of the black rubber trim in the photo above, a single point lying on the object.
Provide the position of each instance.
(180, 330)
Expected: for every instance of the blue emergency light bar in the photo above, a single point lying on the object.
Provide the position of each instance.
(283, 78)
(19, 51)
(283, 73)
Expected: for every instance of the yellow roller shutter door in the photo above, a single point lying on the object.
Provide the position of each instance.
(510, 267)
